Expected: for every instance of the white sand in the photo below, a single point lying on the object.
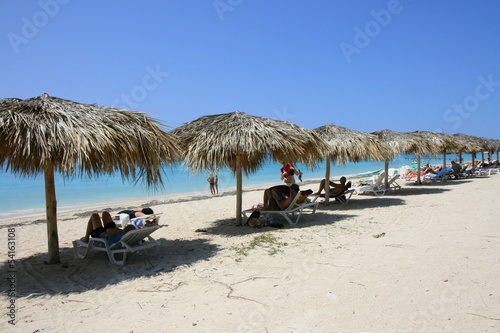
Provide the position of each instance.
(436, 268)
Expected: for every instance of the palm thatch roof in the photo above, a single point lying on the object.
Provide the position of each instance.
(488, 145)
(82, 138)
(471, 144)
(242, 142)
(215, 140)
(48, 134)
(495, 145)
(436, 142)
(345, 144)
(402, 143)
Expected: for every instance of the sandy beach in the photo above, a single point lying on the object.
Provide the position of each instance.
(421, 259)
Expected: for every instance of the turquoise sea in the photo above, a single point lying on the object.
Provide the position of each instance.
(20, 194)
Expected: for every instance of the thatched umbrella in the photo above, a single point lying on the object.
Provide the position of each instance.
(241, 142)
(401, 143)
(470, 145)
(48, 134)
(488, 145)
(452, 144)
(437, 143)
(345, 145)
(496, 146)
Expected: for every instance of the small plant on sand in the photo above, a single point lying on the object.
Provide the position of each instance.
(266, 240)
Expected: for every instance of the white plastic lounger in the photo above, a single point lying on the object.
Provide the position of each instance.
(376, 188)
(290, 211)
(393, 184)
(133, 241)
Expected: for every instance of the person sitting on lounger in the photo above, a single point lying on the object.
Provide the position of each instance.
(457, 168)
(104, 228)
(280, 197)
(334, 187)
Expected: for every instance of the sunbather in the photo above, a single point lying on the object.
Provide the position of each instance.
(334, 187)
(427, 169)
(133, 213)
(104, 228)
(442, 173)
(280, 197)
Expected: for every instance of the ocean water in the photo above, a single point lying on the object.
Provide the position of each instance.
(19, 193)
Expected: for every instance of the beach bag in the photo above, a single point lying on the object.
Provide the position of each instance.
(253, 219)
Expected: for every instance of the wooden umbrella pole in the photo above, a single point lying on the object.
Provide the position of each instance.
(327, 180)
(51, 211)
(386, 170)
(419, 181)
(444, 158)
(239, 189)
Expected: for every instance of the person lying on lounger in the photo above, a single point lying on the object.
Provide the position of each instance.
(335, 188)
(104, 228)
(133, 213)
(280, 197)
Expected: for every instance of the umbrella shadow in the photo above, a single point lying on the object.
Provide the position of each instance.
(418, 190)
(33, 278)
(228, 228)
(362, 202)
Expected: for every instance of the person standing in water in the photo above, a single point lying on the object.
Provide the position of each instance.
(211, 181)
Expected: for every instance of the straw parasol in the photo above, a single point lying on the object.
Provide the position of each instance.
(470, 145)
(49, 134)
(401, 143)
(241, 142)
(437, 143)
(452, 144)
(345, 145)
(488, 145)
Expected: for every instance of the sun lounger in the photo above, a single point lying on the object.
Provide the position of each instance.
(343, 197)
(293, 209)
(393, 184)
(442, 175)
(376, 188)
(138, 240)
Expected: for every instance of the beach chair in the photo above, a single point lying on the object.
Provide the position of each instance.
(138, 240)
(290, 211)
(377, 187)
(343, 197)
(442, 175)
(393, 184)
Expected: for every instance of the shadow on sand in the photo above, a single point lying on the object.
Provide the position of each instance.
(307, 219)
(33, 278)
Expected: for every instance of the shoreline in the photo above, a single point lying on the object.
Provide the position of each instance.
(144, 201)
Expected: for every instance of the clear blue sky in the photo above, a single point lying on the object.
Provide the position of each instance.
(366, 65)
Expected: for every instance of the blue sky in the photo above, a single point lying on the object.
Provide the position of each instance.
(367, 65)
